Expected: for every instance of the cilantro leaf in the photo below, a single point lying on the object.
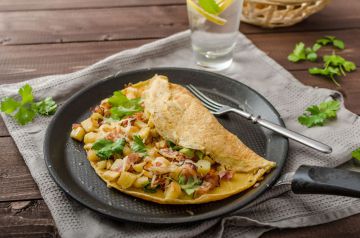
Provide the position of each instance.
(317, 115)
(356, 154)
(138, 145)
(25, 110)
(331, 40)
(9, 105)
(25, 115)
(26, 94)
(46, 107)
(189, 185)
(173, 146)
(122, 106)
(210, 6)
(298, 54)
(104, 148)
(149, 189)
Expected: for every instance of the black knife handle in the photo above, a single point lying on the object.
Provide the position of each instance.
(321, 180)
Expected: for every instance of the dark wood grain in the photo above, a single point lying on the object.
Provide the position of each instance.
(30, 218)
(26, 5)
(16, 182)
(30, 33)
(36, 27)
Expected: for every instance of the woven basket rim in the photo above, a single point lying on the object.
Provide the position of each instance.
(286, 1)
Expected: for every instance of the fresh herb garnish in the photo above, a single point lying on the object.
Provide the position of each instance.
(149, 189)
(356, 154)
(173, 146)
(331, 40)
(304, 53)
(334, 65)
(122, 106)
(25, 110)
(138, 145)
(189, 185)
(104, 148)
(210, 6)
(317, 115)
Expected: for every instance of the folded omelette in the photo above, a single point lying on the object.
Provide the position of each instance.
(154, 140)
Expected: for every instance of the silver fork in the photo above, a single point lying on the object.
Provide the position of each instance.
(219, 109)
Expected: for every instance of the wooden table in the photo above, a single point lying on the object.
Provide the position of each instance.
(42, 37)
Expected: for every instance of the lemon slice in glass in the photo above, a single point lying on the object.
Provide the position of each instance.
(211, 17)
(224, 4)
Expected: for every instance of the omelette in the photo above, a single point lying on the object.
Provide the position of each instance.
(154, 140)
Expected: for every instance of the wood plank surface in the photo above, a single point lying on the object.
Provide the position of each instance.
(38, 27)
(32, 36)
(26, 5)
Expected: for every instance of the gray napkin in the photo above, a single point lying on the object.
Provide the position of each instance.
(277, 208)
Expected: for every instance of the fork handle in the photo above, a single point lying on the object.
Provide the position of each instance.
(286, 132)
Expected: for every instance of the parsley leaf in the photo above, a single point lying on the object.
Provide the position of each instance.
(356, 154)
(122, 106)
(210, 6)
(330, 72)
(173, 146)
(298, 54)
(138, 145)
(25, 110)
(189, 185)
(46, 107)
(331, 40)
(317, 115)
(104, 148)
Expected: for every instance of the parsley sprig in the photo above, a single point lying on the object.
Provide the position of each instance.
(104, 148)
(25, 110)
(317, 115)
(189, 185)
(304, 53)
(326, 40)
(138, 145)
(122, 106)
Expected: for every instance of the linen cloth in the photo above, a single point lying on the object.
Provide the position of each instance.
(277, 208)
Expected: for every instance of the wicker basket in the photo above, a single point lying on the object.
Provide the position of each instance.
(279, 13)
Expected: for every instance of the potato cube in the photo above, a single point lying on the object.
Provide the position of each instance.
(175, 173)
(141, 182)
(91, 155)
(173, 191)
(88, 146)
(139, 167)
(90, 137)
(209, 159)
(144, 132)
(203, 167)
(117, 165)
(111, 175)
(78, 133)
(148, 174)
(126, 179)
(101, 164)
(88, 125)
(109, 162)
(127, 150)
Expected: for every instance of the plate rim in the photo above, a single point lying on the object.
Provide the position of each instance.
(158, 220)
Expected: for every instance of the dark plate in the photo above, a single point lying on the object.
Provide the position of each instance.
(67, 163)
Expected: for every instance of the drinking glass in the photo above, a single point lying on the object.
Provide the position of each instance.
(214, 28)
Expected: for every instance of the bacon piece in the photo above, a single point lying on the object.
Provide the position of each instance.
(211, 180)
(226, 174)
(172, 154)
(99, 110)
(188, 170)
(133, 158)
(75, 125)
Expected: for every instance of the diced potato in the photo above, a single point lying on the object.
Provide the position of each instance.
(141, 182)
(91, 155)
(161, 162)
(90, 137)
(106, 127)
(203, 167)
(96, 116)
(126, 179)
(173, 191)
(78, 133)
(175, 173)
(140, 124)
(133, 130)
(127, 150)
(147, 174)
(109, 162)
(101, 164)
(209, 159)
(139, 167)
(88, 125)
(144, 132)
(111, 175)
(153, 152)
(88, 146)
(117, 165)
(160, 144)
